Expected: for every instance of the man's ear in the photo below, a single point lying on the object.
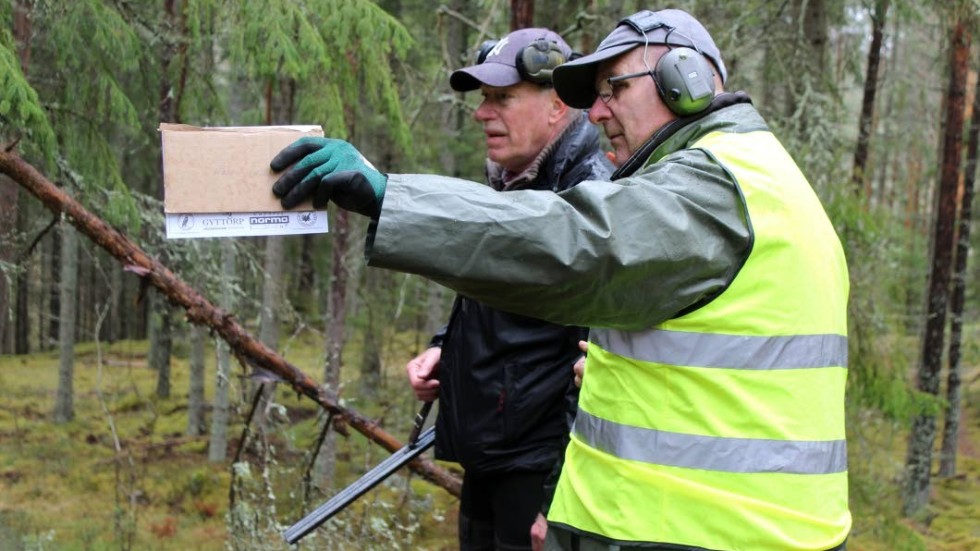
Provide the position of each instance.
(558, 108)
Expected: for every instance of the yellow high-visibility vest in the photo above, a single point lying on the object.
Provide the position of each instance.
(723, 429)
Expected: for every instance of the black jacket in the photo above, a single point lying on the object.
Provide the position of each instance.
(506, 380)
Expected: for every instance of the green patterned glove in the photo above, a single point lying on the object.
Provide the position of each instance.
(328, 170)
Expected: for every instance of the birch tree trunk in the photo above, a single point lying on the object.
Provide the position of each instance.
(64, 409)
(218, 445)
(335, 338)
(275, 252)
(919, 459)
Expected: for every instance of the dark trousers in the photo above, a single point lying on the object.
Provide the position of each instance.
(496, 510)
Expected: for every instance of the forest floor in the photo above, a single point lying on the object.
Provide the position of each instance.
(66, 487)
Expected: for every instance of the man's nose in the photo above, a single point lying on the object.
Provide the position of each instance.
(483, 113)
(599, 111)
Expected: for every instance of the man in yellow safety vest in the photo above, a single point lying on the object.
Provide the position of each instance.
(711, 413)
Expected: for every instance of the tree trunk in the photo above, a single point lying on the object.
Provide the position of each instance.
(435, 311)
(890, 173)
(162, 327)
(919, 459)
(588, 41)
(200, 310)
(370, 378)
(114, 325)
(812, 79)
(306, 285)
(521, 14)
(195, 396)
(22, 26)
(22, 315)
(82, 302)
(954, 391)
(14, 330)
(275, 254)
(913, 192)
(8, 255)
(161, 342)
(53, 294)
(335, 338)
(218, 446)
(64, 409)
(860, 177)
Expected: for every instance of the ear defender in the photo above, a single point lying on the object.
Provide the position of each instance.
(484, 50)
(536, 61)
(685, 81)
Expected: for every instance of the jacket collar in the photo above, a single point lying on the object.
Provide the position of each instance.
(641, 156)
(553, 158)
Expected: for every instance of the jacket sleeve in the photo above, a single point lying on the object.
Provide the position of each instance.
(626, 254)
(439, 338)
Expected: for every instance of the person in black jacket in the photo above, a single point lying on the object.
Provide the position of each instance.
(505, 381)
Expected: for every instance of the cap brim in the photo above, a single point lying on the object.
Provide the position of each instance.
(491, 74)
(575, 80)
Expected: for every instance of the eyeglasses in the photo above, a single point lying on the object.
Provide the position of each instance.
(607, 92)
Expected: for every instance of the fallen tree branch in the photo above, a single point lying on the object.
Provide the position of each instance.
(201, 311)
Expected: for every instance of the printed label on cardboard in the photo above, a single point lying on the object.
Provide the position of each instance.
(237, 224)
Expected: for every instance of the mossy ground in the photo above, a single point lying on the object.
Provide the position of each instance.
(66, 487)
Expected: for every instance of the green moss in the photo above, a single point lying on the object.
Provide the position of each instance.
(67, 482)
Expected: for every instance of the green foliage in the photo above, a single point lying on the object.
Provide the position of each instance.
(879, 355)
(20, 109)
(363, 40)
(338, 52)
(88, 46)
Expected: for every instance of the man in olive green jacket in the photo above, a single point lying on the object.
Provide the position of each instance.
(714, 286)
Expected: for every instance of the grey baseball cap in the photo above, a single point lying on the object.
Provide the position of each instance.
(575, 80)
(500, 66)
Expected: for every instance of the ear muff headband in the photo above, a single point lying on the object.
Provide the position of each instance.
(685, 81)
(684, 77)
(535, 62)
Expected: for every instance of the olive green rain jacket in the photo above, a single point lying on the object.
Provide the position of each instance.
(715, 289)
(626, 254)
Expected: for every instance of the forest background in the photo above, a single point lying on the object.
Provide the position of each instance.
(124, 426)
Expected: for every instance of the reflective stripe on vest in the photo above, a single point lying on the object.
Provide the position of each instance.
(728, 351)
(724, 428)
(736, 455)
